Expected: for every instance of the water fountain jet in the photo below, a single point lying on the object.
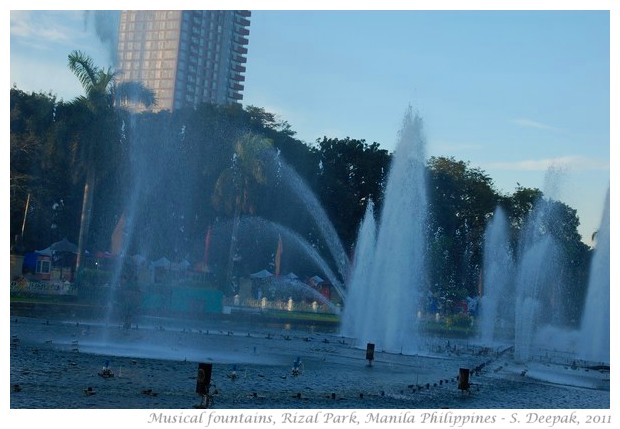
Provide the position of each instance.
(595, 324)
(498, 269)
(392, 289)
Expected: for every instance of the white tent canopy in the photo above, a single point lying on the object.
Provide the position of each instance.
(262, 274)
(63, 245)
(162, 262)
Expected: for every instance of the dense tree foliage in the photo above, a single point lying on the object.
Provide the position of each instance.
(176, 177)
(462, 199)
(351, 173)
(41, 188)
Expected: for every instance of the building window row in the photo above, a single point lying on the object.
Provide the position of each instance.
(159, 84)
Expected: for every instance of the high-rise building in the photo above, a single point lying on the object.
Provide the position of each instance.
(185, 57)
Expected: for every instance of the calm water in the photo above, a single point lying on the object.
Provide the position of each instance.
(54, 364)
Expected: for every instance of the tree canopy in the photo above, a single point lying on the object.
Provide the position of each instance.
(188, 170)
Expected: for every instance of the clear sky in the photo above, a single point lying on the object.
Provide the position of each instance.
(513, 92)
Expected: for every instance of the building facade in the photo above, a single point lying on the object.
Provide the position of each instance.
(185, 57)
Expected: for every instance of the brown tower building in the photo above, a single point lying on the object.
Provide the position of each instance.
(186, 57)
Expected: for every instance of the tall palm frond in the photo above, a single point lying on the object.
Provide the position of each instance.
(84, 69)
(98, 83)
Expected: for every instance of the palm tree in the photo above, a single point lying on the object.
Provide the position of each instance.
(97, 108)
(236, 187)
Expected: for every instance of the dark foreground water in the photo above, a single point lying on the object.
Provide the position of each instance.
(55, 365)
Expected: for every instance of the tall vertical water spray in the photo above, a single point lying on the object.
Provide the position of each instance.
(149, 167)
(125, 228)
(538, 271)
(360, 298)
(388, 277)
(595, 329)
(498, 269)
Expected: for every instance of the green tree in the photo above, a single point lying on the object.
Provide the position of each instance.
(95, 141)
(263, 120)
(566, 296)
(461, 200)
(239, 187)
(520, 204)
(352, 172)
(38, 172)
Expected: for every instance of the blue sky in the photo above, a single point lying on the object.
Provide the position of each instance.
(513, 92)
